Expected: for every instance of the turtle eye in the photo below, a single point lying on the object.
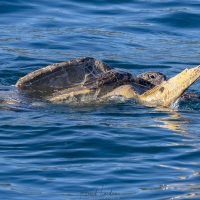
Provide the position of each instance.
(152, 76)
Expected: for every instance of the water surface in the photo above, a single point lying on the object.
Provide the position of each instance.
(117, 150)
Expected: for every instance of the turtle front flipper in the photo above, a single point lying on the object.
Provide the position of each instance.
(166, 93)
(114, 77)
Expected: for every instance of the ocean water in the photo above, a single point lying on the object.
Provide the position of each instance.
(116, 150)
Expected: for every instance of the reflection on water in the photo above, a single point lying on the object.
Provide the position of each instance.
(174, 121)
(185, 185)
(179, 187)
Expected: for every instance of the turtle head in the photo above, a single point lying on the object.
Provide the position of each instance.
(151, 79)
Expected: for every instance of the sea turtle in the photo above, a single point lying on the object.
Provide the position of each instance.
(89, 79)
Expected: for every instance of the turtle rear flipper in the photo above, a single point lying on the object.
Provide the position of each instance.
(189, 96)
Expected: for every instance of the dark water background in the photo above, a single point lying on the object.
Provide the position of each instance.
(108, 151)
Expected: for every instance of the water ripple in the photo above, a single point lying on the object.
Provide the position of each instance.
(118, 147)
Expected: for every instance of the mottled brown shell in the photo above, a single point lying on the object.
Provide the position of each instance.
(63, 75)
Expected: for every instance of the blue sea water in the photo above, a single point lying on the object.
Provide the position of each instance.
(118, 150)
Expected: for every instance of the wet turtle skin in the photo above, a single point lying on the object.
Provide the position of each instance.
(151, 79)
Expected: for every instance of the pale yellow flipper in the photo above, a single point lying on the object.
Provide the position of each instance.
(170, 90)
